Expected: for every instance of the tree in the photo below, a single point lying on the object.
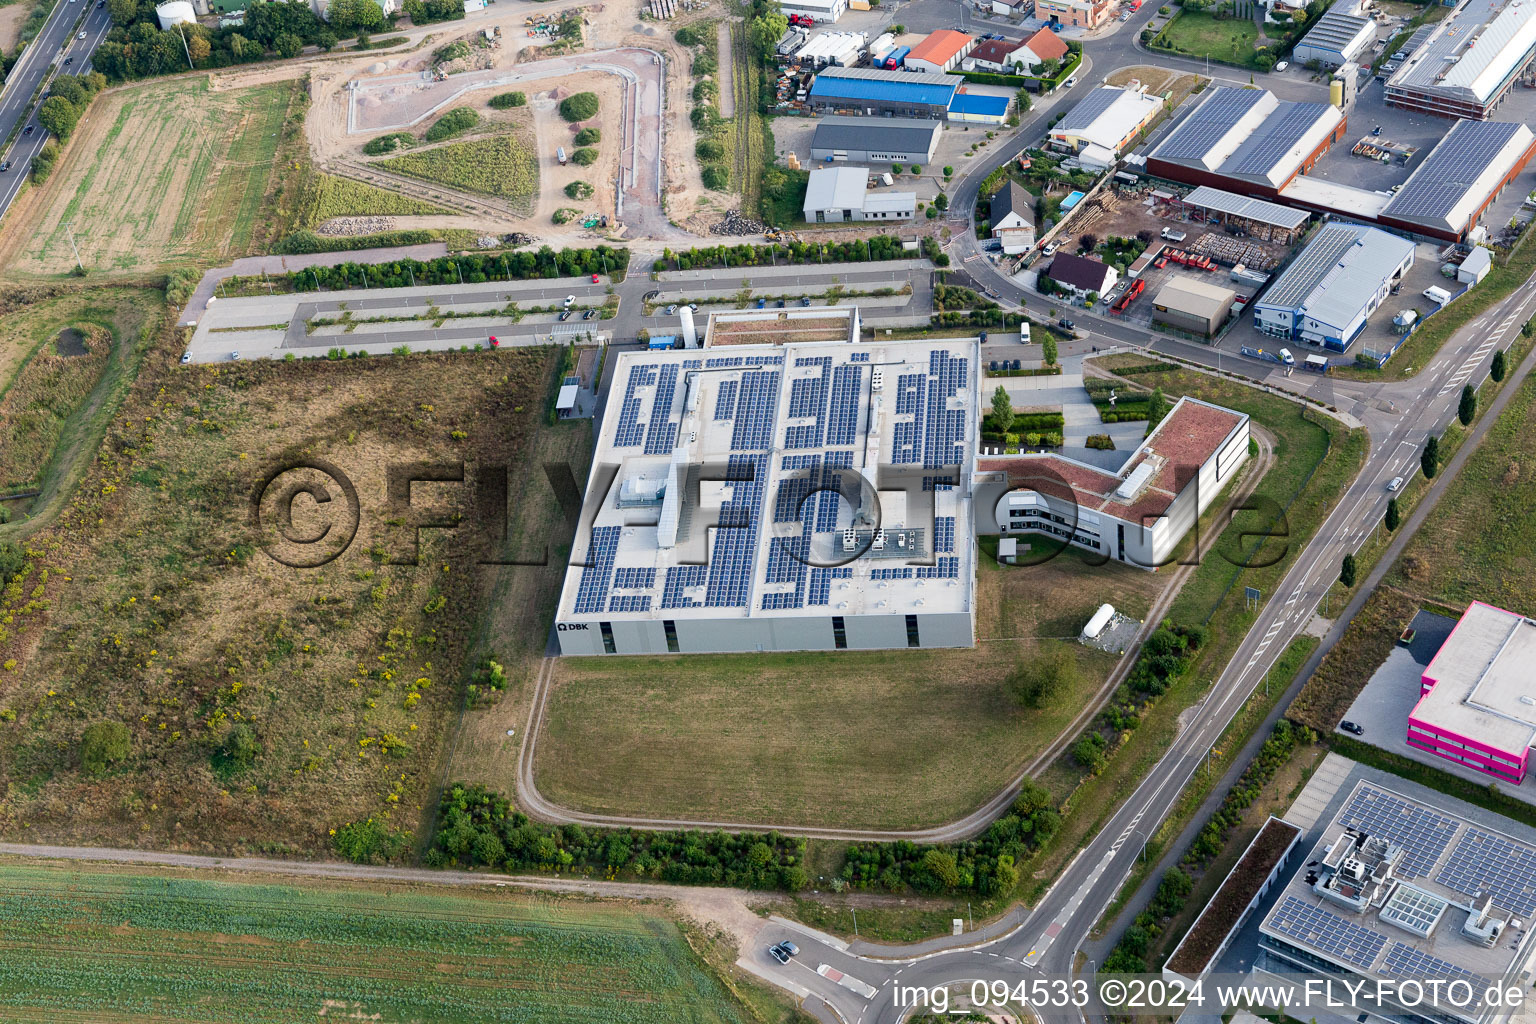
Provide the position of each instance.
(287, 45)
(240, 746)
(1005, 876)
(941, 201)
(940, 871)
(764, 32)
(580, 107)
(1048, 349)
(103, 744)
(1089, 241)
(1429, 461)
(1157, 408)
(1394, 516)
(58, 116)
(243, 48)
(1467, 408)
(1499, 368)
(1527, 327)
(71, 88)
(948, 171)
(123, 11)
(200, 48)
(1048, 68)
(355, 15)
(1347, 571)
(1002, 409)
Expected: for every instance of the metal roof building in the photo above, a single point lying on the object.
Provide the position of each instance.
(1329, 291)
(834, 195)
(1245, 208)
(1192, 305)
(872, 91)
(1246, 137)
(1461, 176)
(1109, 117)
(1467, 63)
(732, 499)
(875, 139)
(1337, 38)
(978, 108)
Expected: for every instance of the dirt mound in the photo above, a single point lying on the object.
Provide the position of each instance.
(735, 224)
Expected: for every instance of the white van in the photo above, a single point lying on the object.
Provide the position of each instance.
(1287, 358)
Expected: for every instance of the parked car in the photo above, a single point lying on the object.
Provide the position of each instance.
(805, 300)
(1389, 68)
(594, 279)
(1065, 324)
(781, 303)
(1282, 65)
(672, 309)
(570, 300)
(1349, 726)
(589, 314)
(1069, 83)
(790, 948)
(565, 315)
(234, 357)
(1400, 55)
(778, 954)
(494, 343)
(186, 357)
(694, 306)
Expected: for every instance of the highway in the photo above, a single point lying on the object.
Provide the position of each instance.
(59, 40)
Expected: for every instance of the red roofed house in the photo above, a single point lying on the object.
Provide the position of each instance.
(1137, 515)
(940, 52)
(992, 55)
(1042, 45)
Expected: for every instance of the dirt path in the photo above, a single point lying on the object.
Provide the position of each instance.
(727, 70)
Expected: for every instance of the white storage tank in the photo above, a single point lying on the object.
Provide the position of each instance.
(690, 336)
(1100, 620)
(175, 12)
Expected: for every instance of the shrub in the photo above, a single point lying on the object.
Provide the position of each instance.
(388, 143)
(504, 100)
(688, 35)
(579, 107)
(455, 122)
(240, 746)
(584, 157)
(368, 842)
(578, 190)
(588, 137)
(717, 177)
(709, 150)
(103, 744)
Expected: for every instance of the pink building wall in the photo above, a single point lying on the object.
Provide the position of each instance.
(1463, 750)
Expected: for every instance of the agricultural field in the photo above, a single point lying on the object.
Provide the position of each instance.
(113, 945)
(333, 196)
(500, 165)
(61, 353)
(260, 703)
(163, 173)
(888, 739)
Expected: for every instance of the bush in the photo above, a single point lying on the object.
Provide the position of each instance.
(588, 137)
(688, 35)
(717, 177)
(103, 744)
(1039, 680)
(578, 190)
(584, 157)
(368, 842)
(709, 150)
(388, 143)
(579, 107)
(504, 100)
(240, 746)
(455, 122)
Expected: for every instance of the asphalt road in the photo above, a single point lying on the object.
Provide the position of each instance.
(60, 33)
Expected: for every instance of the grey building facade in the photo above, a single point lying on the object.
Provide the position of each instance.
(875, 140)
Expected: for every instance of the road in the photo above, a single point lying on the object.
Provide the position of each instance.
(61, 32)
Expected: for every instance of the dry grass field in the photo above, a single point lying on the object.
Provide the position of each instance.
(264, 705)
(877, 739)
(161, 173)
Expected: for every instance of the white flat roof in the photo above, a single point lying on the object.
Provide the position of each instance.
(889, 201)
(836, 188)
(1484, 679)
(764, 441)
(1107, 115)
(1330, 195)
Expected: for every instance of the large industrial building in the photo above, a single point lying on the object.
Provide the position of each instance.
(816, 10)
(1137, 515)
(1478, 707)
(810, 495)
(1468, 168)
(1467, 63)
(1336, 38)
(1398, 889)
(1187, 304)
(1246, 140)
(875, 140)
(891, 93)
(1333, 286)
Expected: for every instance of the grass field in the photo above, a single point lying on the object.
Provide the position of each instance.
(106, 945)
(334, 196)
(1200, 34)
(878, 739)
(163, 173)
(501, 166)
(165, 613)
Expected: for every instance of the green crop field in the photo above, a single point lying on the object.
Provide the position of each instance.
(333, 196)
(107, 946)
(167, 172)
(498, 166)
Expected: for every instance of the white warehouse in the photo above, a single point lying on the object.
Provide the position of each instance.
(808, 495)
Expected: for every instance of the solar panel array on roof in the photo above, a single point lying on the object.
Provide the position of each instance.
(753, 429)
(641, 577)
(663, 432)
(1407, 962)
(730, 563)
(1343, 940)
(843, 412)
(593, 592)
(1421, 832)
(630, 603)
(1334, 30)
(1307, 270)
(1432, 192)
(679, 578)
(1086, 112)
(1208, 123)
(1484, 862)
(631, 431)
(725, 400)
(1274, 140)
(819, 590)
